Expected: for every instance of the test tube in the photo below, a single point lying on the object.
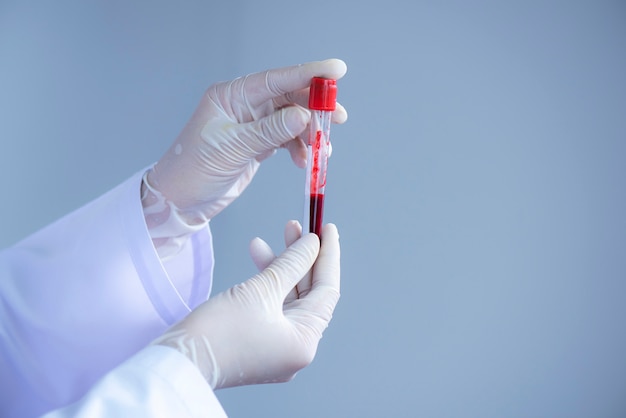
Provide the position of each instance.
(322, 101)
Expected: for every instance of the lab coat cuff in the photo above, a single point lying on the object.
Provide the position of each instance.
(194, 267)
(157, 381)
(180, 378)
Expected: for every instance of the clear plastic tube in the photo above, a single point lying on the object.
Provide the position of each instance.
(322, 100)
(317, 165)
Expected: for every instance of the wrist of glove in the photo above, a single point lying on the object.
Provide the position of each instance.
(167, 228)
(267, 328)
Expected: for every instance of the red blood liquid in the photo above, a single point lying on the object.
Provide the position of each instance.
(316, 212)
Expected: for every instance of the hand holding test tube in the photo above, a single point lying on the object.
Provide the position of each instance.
(322, 102)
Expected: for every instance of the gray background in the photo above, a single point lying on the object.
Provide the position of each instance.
(478, 185)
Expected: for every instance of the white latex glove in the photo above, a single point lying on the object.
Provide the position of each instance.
(253, 333)
(236, 125)
(262, 256)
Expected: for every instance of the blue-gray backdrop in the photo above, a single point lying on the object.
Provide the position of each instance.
(478, 186)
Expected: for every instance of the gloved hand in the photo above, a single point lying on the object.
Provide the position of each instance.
(236, 125)
(253, 332)
(262, 256)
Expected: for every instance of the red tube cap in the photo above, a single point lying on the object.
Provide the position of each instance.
(323, 94)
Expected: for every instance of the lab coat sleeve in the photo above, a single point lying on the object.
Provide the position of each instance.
(156, 382)
(84, 294)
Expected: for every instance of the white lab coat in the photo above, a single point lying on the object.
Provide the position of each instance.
(79, 302)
